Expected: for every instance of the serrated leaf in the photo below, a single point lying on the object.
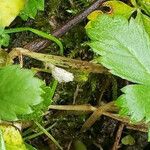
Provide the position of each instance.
(19, 91)
(31, 8)
(135, 102)
(119, 8)
(9, 9)
(41, 108)
(124, 47)
(125, 50)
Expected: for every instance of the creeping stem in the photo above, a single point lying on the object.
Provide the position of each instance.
(39, 33)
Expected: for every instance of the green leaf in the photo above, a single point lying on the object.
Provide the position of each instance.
(125, 50)
(9, 9)
(135, 102)
(145, 5)
(119, 8)
(41, 108)
(144, 20)
(124, 47)
(19, 91)
(31, 8)
(128, 140)
(47, 96)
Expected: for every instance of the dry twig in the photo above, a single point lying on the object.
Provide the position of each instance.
(118, 137)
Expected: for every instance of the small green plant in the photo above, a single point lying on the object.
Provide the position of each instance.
(123, 42)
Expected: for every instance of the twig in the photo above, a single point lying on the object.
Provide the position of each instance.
(77, 19)
(88, 109)
(96, 114)
(40, 44)
(118, 137)
(60, 61)
(74, 107)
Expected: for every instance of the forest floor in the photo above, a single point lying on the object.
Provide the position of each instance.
(93, 89)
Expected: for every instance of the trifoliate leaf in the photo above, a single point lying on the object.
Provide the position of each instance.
(19, 91)
(125, 50)
(12, 138)
(9, 9)
(119, 8)
(31, 8)
(124, 47)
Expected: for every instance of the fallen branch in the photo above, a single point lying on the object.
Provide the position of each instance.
(59, 61)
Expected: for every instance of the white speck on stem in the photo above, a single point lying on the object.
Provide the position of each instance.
(60, 74)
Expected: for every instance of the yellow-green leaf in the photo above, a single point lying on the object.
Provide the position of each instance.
(12, 138)
(9, 9)
(119, 8)
(94, 14)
